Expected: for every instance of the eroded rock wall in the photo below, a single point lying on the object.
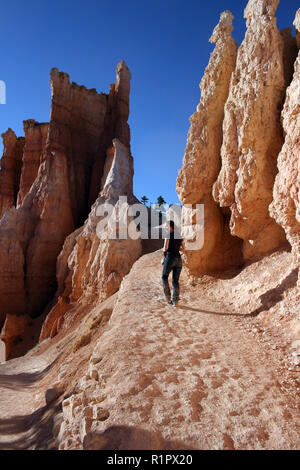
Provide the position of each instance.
(31, 237)
(77, 124)
(69, 171)
(285, 207)
(202, 161)
(252, 131)
(93, 262)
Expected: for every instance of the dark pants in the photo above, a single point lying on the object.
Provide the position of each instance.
(175, 265)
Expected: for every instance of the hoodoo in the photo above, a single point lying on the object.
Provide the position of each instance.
(286, 205)
(202, 161)
(51, 179)
(252, 131)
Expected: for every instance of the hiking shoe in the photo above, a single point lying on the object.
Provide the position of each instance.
(174, 303)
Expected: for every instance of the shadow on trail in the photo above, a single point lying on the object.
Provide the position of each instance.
(268, 300)
(36, 429)
(273, 296)
(24, 379)
(198, 310)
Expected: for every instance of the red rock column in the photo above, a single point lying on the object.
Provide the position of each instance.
(92, 264)
(11, 164)
(122, 92)
(35, 142)
(63, 169)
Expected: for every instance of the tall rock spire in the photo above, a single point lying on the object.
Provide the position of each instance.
(202, 161)
(252, 132)
(10, 172)
(285, 207)
(64, 168)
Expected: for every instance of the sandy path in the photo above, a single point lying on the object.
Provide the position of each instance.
(25, 421)
(191, 377)
(193, 373)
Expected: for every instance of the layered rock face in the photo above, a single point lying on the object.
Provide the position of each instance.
(285, 207)
(31, 237)
(202, 162)
(235, 137)
(10, 172)
(252, 133)
(68, 158)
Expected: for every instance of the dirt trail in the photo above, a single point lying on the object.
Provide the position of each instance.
(190, 377)
(193, 373)
(25, 420)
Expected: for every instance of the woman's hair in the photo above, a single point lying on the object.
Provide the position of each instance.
(171, 224)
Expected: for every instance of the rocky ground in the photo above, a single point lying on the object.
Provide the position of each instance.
(215, 373)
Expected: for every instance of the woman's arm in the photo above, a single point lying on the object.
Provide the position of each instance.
(166, 245)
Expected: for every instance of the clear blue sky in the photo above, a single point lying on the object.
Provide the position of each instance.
(164, 43)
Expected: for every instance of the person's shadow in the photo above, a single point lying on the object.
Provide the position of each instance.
(208, 312)
(273, 296)
(268, 299)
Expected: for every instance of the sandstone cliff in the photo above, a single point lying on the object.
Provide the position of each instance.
(286, 204)
(63, 166)
(202, 162)
(230, 163)
(252, 132)
(258, 180)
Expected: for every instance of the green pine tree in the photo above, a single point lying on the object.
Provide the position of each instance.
(161, 201)
(144, 200)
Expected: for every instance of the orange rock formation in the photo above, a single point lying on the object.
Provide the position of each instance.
(236, 135)
(202, 161)
(252, 132)
(10, 173)
(63, 169)
(286, 204)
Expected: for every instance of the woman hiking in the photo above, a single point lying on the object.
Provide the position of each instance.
(172, 262)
